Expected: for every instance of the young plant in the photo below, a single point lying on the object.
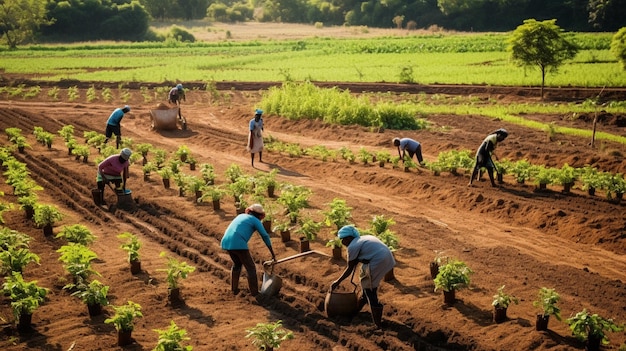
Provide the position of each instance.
(268, 336)
(208, 173)
(547, 300)
(124, 316)
(143, 149)
(171, 339)
(165, 173)
(77, 233)
(294, 198)
(25, 297)
(502, 299)
(365, 156)
(76, 260)
(14, 259)
(131, 246)
(183, 152)
(233, 172)
(334, 243)
(390, 239)
(338, 214)
(584, 326)
(454, 275)
(176, 270)
(46, 215)
(309, 228)
(94, 293)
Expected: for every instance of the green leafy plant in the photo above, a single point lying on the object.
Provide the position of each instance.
(208, 173)
(171, 339)
(547, 300)
(124, 316)
(334, 243)
(12, 238)
(148, 168)
(282, 226)
(521, 170)
(25, 297)
(14, 259)
(131, 246)
(94, 293)
(46, 215)
(77, 233)
(165, 173)
(183, 152)
(309, 228)
(240, 187)
(176, 270)
(215, 193)
(365, 156)
(390, 239)
(234, 172)
(338, 214)
(566, 175)
(383, 157)
(454, 275)
(585, 325)
(143, 149)
(268, 336)
(502, 299)
(77, 260)
(294, 198)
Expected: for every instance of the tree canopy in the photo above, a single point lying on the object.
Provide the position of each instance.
(20, 19)
(541, 44)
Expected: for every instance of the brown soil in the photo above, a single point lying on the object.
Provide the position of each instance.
(512, 235)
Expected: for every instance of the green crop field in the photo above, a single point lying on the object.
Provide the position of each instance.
(424, 59)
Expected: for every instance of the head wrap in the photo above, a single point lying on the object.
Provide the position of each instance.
(396, 140)
(257, 209)
(258, 111)
(125, 153)
(346, 231)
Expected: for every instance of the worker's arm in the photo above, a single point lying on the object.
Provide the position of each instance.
(346, 273)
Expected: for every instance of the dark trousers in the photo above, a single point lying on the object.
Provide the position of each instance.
(243, 258)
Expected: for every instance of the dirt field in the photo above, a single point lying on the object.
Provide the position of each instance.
(512, 235)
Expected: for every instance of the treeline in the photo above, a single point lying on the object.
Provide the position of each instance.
(129, 20)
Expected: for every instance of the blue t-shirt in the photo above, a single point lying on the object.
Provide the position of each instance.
(116, 117)
(256, 125)
(409, 144)
(240, 231)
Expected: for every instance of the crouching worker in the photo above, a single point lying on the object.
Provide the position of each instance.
(376, 260)
(235, 241)
(113, 169)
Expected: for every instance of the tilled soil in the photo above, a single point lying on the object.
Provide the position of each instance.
(513, 235)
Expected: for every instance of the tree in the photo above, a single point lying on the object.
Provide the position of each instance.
(540, 44)
(618, 46)
(20, 20)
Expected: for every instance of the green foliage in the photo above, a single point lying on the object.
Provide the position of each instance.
(10, 238)
(294, 197)
(195, 183)
(166, 172)
(547, 300)
(143, 148)
(566, 175)
(77, 233)
(148, 168)
(181, 35)
(502, 299)
(124, 316)
(25, 297)
(171, 339)
(94, 293)
(268, 336)
(521, 169)
(20, 20)
(618, 46)
(309, 228)
(240, 187)
(454, 275)
(334, 243)
(176, 270)
(183, 152)
(234, 172)
(14, 259)
(76, 260)
(338, 214)
(208, 173)
(131, 246)
(584, 325)
(365, 156)
(305, 100)
(46, 215)
(541, 44)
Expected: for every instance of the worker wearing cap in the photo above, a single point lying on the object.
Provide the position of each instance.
(176, 95)
(483, 155)
(376, 260)
(114, 125)
(255, 136)
(113, 169)
(410, 146)
(235, 241)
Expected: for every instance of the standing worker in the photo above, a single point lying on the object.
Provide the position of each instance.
(483, 155)
(376, 260)
(410, 146)
(176, 95)
(255, 137)
(113, 169)
(235, 241)
(113, 125)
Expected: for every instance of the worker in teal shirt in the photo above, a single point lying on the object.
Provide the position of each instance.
(113, 125)
(235, 241)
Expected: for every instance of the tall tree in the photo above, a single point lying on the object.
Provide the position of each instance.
(618, 47)
(541, 44)
(20, 20)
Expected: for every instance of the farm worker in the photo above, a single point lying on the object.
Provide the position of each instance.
(483, 155)
(235, 241)
(376, 260)
(410, 146)
(255, 137)
(113, 125)
(176, 95)
(113, 169)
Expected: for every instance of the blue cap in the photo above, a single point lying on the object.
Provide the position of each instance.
(258, 111)
(179, 86)
(346, 231)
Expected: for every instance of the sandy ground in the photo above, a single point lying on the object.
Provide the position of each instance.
(512, 235)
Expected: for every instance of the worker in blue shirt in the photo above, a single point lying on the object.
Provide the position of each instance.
(113, 125)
